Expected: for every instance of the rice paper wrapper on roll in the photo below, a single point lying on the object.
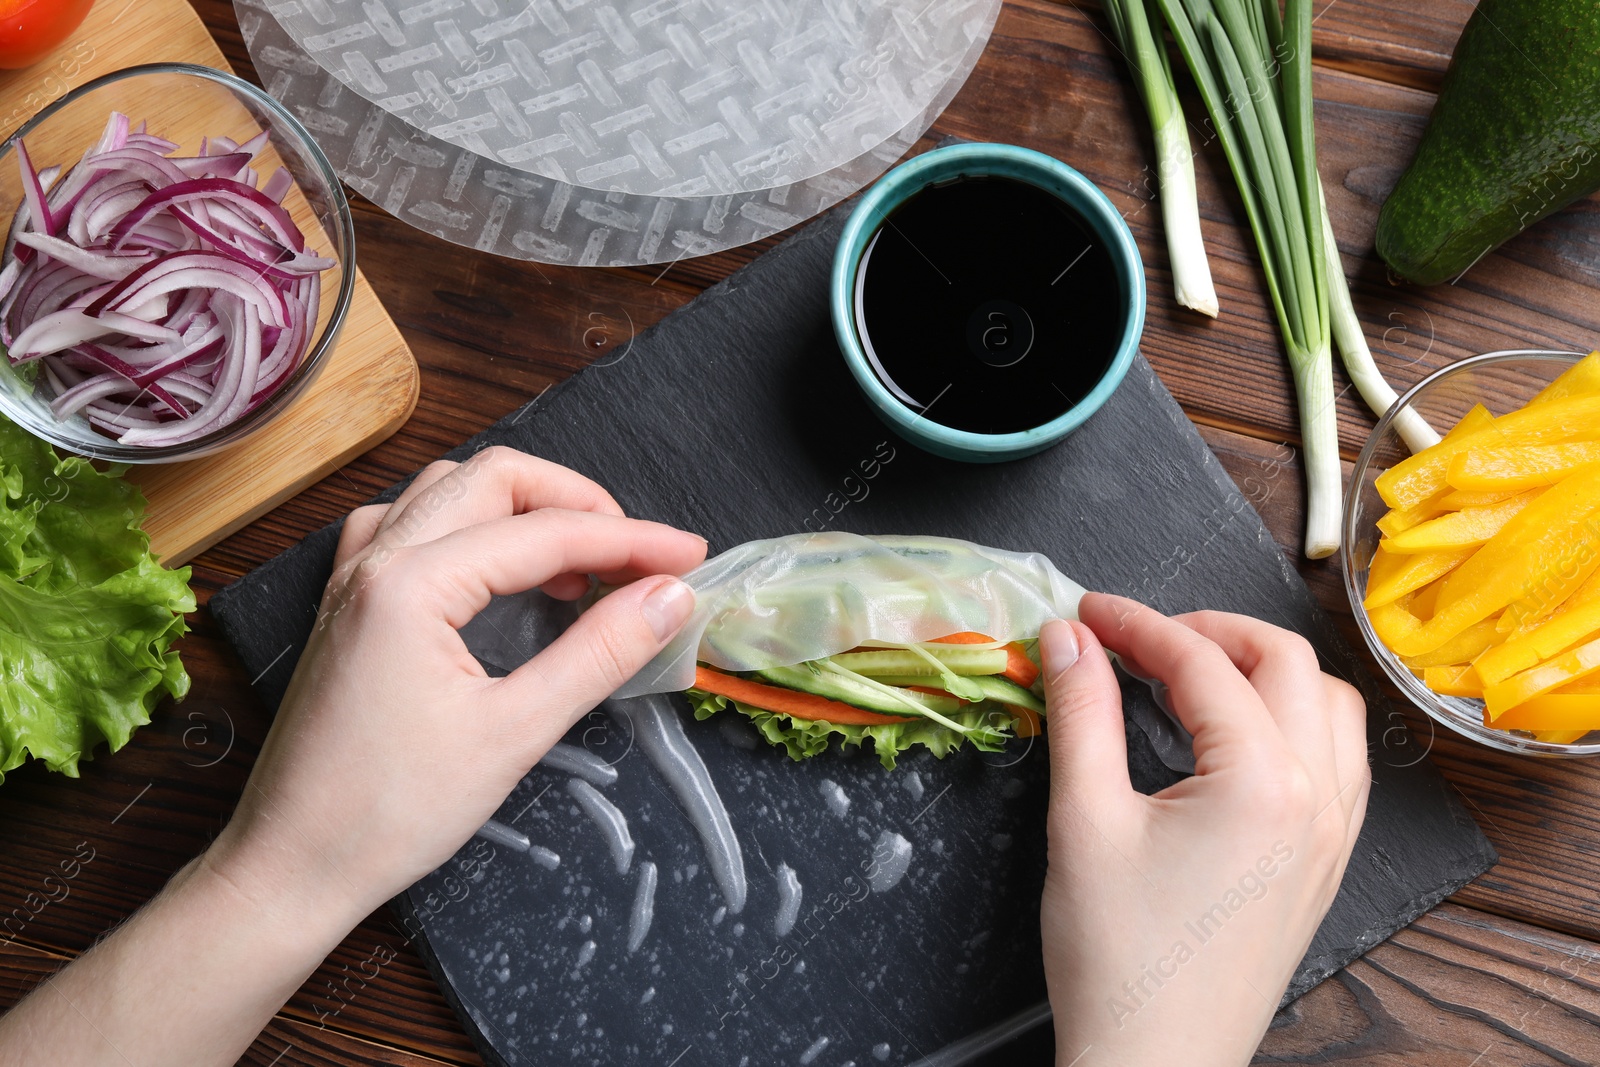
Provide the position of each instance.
(790, 599)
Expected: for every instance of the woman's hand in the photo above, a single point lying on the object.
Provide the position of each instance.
(1172, 923)
(390, 749)
(392, 745)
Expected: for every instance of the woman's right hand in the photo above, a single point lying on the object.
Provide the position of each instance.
(1172, 923)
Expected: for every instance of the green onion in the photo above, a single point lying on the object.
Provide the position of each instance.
(1254, 73)
(1180, 207)
(1358, 363)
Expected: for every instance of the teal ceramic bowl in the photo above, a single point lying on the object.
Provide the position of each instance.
(1080, 196)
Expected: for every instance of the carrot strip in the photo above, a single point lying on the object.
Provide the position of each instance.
(1028, 724)
(788, 701)
(1019, 668)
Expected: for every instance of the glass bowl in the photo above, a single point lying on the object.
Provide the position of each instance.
(1501, 381)
(183, 103)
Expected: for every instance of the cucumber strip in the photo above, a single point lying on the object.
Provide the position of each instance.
(910, 699)
(953, 683)
(1008, 692)
(994, 687)
(957, 659)
(807, 678)
(927, 681)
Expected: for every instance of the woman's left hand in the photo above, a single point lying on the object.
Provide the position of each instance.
(392, 745)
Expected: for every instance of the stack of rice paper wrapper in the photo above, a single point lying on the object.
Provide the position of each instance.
(613, 132)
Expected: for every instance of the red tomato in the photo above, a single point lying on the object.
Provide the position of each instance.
(29, 29)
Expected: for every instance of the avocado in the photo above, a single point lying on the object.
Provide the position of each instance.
(1514, 136)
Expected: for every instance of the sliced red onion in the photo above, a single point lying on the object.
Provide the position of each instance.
(136, 162)
(159, 145)
(76, 292)
(165, 296)
(90, 389)
(112, 266)
(204, 166)
(189, 270)
(39, 216)
(143, 374)
(64, 329)
(254, 145)
(245, 200)
(93, 203)
(278, 185)
(9, 276)
(115, 135)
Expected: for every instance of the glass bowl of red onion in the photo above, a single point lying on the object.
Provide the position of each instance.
(178, 259)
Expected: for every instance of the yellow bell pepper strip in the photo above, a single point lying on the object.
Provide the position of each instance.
(1425, 600)
(1411, 481)
(1559, 737)
(1394, 575)
(1457, 681)
(1553, 711)
(1518, 469)
(1584, 594)
(1550, 638)
(1583, 377)
(1538, 555)
(1588, 591)
(1399, 521)
(1465, 647)
(1560, 579)
(1589, 686)
(1460, 529)
(1393, 623)
(1457, 499)
(1536, 681)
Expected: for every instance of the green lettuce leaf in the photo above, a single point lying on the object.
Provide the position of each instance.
(87, 614)
(803, 738)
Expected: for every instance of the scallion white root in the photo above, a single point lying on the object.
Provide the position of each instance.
(1135, 26)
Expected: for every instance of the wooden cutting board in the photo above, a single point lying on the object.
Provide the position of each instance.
(364, 394)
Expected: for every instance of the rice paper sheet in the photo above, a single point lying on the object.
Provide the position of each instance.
(790, 599)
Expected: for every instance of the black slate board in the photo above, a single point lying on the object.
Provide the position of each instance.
(735, 417)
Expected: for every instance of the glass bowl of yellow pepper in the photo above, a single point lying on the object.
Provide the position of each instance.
(1473, 566)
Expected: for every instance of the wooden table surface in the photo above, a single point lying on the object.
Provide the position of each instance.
(1506, 972)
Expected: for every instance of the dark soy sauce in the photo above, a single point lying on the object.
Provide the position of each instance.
(986, 304)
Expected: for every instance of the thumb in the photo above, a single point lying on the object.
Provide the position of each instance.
(1083, 704)
(606, 646)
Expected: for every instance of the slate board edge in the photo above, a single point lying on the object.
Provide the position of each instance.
(468, 1019)
(1321, 970)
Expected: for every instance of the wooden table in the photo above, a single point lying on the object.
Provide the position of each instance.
(1507, 972)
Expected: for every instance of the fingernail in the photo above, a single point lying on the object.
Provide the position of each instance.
(668, 607)
(1058, 648)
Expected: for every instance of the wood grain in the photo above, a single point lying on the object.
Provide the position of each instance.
(1463, 986)
(1456, 989)
(370, 383)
